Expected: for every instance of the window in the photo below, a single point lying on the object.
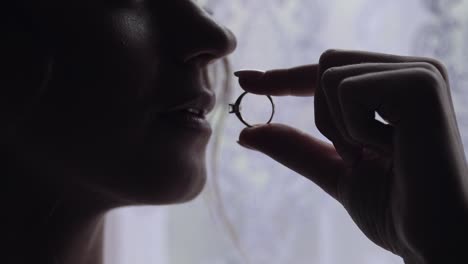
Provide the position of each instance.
(276, 216)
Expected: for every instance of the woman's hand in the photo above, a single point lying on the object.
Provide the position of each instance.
(404, 183)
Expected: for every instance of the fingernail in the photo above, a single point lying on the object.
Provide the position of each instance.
(249, 74)
(245, 132)
(243, 144)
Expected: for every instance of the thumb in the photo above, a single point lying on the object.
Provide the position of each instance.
(308, 156)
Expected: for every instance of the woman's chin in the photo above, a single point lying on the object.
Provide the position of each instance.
(191, 191)
(163, 184)
(182, 186)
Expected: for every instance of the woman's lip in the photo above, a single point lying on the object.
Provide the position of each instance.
(186, 120)
(204, 101)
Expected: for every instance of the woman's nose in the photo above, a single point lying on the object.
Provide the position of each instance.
(206, 41)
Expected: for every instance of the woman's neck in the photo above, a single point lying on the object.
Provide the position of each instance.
(47, 224)
(55, 233)
(76, 238)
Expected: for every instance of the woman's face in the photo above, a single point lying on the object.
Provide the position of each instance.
(123, 112)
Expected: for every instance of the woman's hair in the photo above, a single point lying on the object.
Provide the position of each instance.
(28, 68)
(221, 77)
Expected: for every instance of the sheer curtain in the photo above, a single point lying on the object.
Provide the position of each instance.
(257, 211)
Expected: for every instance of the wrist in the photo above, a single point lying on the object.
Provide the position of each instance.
(446, 243)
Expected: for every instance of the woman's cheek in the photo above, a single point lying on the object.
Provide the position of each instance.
(137, 50)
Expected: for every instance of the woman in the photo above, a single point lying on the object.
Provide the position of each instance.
(104, 104)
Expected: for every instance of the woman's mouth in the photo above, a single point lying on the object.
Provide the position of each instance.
(192, 118)
(197, 112)
(189, 112)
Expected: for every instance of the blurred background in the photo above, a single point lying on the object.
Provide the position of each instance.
(254, 210)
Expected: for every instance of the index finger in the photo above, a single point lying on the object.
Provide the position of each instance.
(296, 81)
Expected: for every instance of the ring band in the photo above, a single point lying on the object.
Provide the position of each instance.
(236, 109)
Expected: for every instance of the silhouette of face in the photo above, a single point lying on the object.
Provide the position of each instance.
(123, 112)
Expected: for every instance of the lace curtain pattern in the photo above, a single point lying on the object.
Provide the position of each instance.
(255, 210)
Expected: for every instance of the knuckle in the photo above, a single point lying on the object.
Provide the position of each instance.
(426, 77)
(329, 75)
(427, 83)
(439, 66)
(327, 55)
(426, 88)
(436, 65)
(428, 66)
(346, 89)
